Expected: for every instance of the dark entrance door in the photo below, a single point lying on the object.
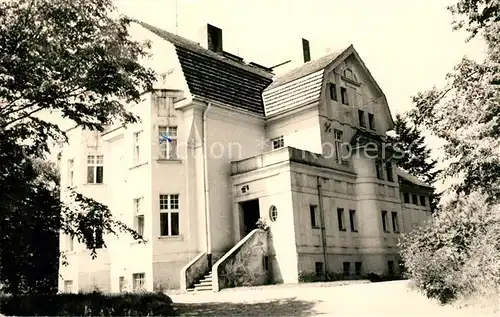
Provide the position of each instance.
(251, 214)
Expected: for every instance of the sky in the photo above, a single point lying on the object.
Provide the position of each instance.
(409, 46)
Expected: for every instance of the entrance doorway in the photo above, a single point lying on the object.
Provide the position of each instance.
(250, 214)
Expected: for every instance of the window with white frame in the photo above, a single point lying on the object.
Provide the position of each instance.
(168, 142)
(137, 147)
(139, 216)
(95, 169)
(139, 281)
(71, 172)
(169, 214)
(277, 143)
(338, 145)
(69, 243)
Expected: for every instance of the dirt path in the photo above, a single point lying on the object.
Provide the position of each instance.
(325, 299)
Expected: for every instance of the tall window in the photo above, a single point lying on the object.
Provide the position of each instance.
(414, 199)
(352, 220)
(71, 172)
(384, 220)
(338, 145)
(390, 267)
(388, 168)
(333, 91)
(168, 142)
(169, 215)
(121, 284)
(344, 96)
(395, 222)
(164, 104)
(137, 147)
(346, 266)
(371, 121)
(277, 143)
(340, 218)
(406, 198)
(139, 216)
(361, 118)
(422, 201)
(70, 244)
(318, 266)
(139, 281)
(95, 169)
(313, 212)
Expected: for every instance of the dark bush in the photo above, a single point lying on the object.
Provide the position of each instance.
(88, 304)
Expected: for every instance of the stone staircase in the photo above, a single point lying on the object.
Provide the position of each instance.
(204, 284)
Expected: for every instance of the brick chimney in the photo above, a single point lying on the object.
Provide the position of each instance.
(306, 51)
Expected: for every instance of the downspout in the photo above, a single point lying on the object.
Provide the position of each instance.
(205, 185)
(323, 228)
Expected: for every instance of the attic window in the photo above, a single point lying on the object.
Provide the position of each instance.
(343, 94)
(349, 74)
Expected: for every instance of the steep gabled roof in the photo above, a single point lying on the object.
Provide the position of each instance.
(215, 77)
(305, 69)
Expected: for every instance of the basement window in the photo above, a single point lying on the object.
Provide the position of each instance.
(319, 268)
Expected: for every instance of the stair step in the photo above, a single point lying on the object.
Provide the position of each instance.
(206, 283)
(190, 290)
(203, 288)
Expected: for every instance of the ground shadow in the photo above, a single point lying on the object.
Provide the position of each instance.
(282, 307)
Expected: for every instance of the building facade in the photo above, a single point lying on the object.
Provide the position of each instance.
(223, 143)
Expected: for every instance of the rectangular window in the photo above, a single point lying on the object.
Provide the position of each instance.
(168, 142)
(414, 199)
(350, 188)
(139, 216)
(378, 168)
(169, 215)
(318, 268)
(71, 173)
(388, 168)
(390, 266)
(333, 91)
(277, 143)
(121, 284)
(352, 219)
(340, 218)
(95, 169)
(361, 118)
(346, 266)
(338, 145)
(371, 121)
(358, 268)
(313, 211)
(137, 147)
(384, 220)
(395, 222)
(68, 286)
(422, 201)
(139, 281)
(406, 198)
(402, 268)
(344, 96)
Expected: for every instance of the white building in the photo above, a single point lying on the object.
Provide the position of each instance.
(223, 143)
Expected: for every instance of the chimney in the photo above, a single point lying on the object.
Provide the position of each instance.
(306, 52)
(211, 38)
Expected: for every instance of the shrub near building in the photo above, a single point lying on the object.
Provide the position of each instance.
(88, 304)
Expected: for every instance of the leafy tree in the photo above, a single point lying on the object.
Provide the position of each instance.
(466, 110)
(457, 254)
(75, 59)
(415, 156)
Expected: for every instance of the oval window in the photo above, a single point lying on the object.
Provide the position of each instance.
(273, 213)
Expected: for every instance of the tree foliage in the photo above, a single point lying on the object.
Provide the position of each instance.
(415, 156)
(458, 253)
(74, 59)
(466, 110)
